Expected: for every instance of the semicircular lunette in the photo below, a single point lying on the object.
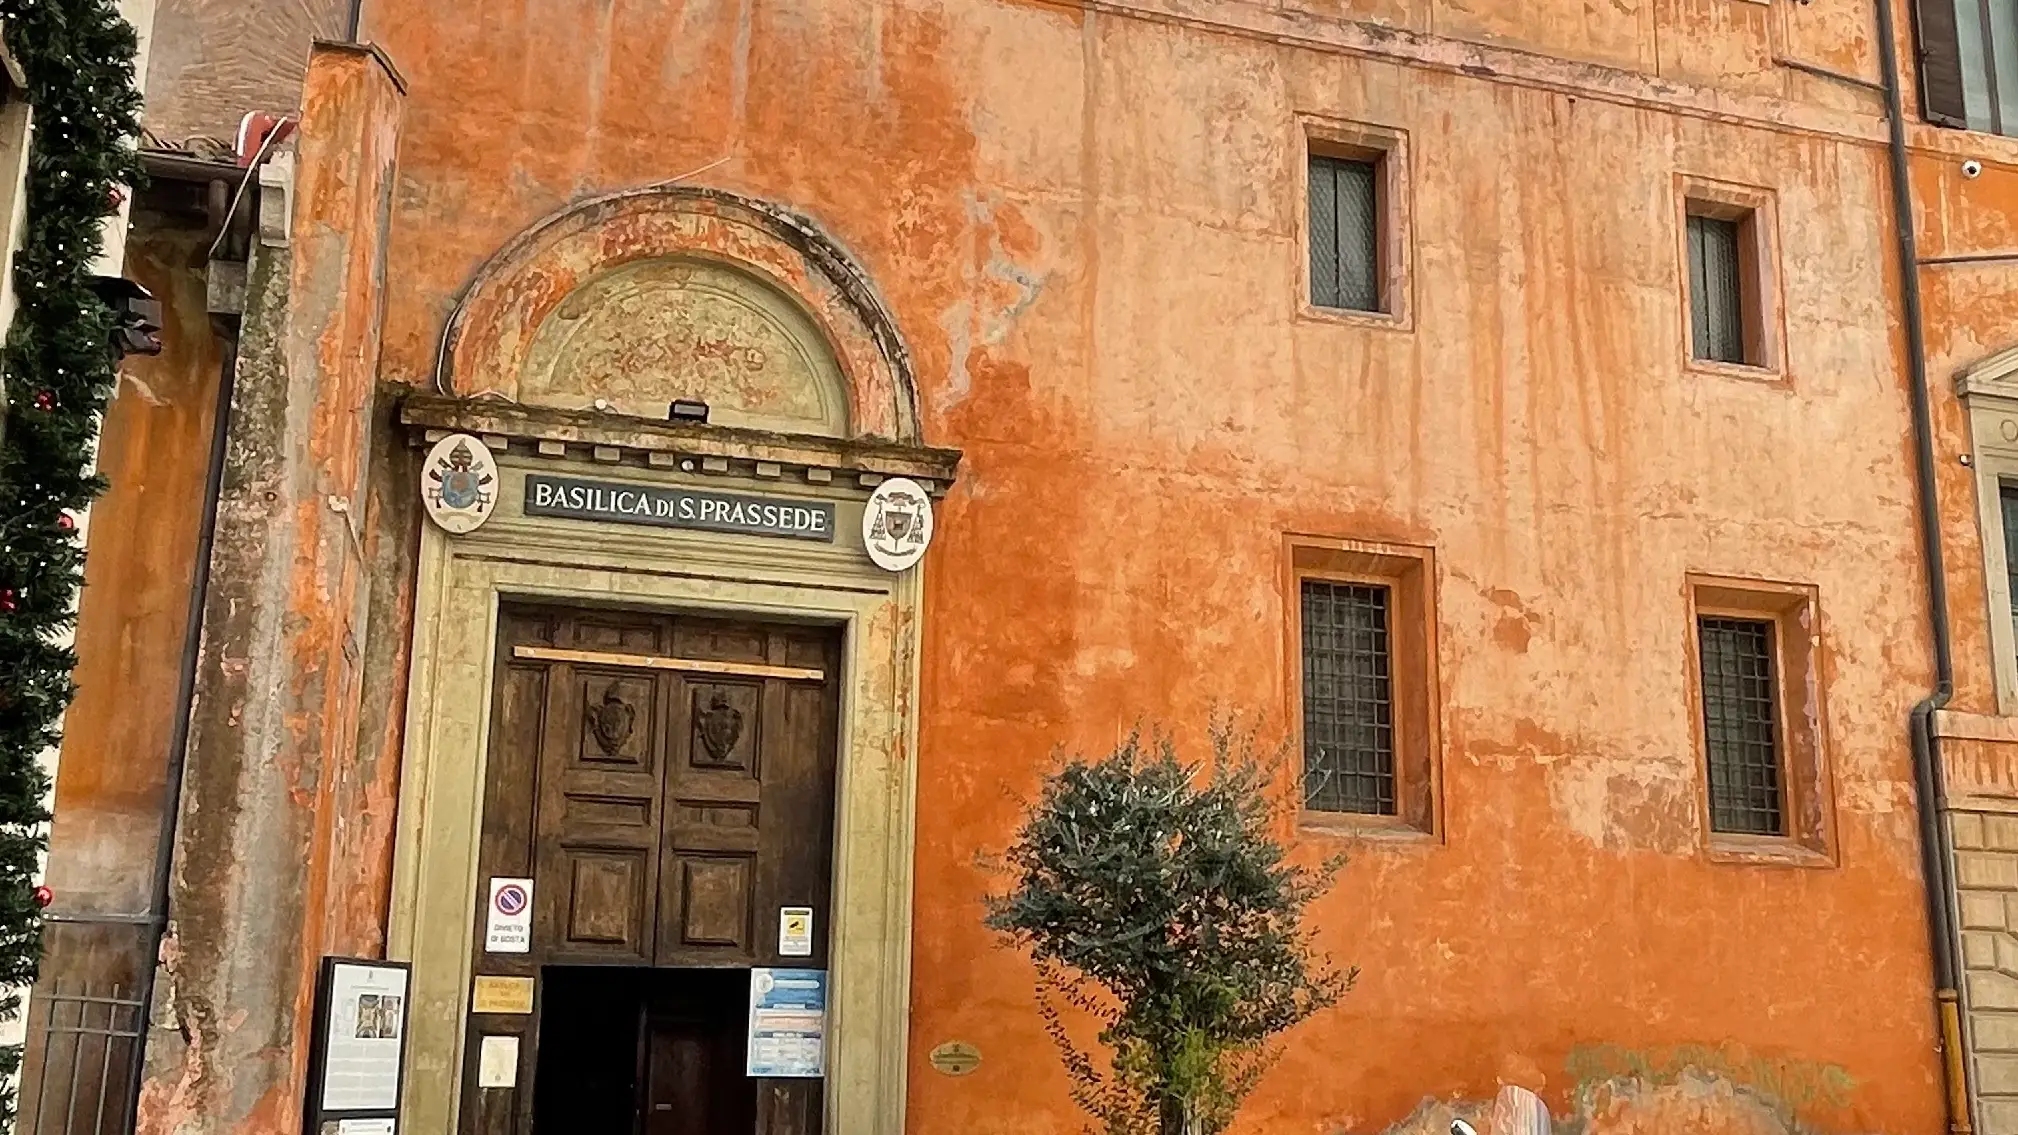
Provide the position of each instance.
(679, 327)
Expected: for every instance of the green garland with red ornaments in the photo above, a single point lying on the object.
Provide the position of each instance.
(78, 58)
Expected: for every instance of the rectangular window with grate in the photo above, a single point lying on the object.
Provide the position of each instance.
(1348, 699)
(1741, 725)
(1717, 301)
(1346, 233)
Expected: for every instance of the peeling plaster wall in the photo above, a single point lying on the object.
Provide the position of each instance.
(285, 830)
(1087, 224)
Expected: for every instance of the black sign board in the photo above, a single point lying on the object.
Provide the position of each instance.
(357, 1052)
(666, 507)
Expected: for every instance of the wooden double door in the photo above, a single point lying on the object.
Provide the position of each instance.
(667, 784)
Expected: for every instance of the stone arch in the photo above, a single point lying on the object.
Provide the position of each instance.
(646, 295)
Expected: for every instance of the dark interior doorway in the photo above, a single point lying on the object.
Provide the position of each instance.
(634, 1051)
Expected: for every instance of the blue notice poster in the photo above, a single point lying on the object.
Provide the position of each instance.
(788, 1023)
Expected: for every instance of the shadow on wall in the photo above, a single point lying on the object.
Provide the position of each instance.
(1696, 1088)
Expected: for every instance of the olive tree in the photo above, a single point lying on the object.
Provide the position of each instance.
(1154, 897)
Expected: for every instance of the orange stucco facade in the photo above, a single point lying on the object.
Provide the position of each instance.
(1086, 220)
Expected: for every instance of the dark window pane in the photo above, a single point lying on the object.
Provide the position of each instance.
(1348, 702)
(1345, 233)
(1740, 726)
(2007, 498)
(1716, 290)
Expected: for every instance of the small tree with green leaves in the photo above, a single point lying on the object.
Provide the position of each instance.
(1154, 897)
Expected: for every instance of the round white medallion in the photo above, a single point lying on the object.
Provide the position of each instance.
(459, 483)
(897, 525)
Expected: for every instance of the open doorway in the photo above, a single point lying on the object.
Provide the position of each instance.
(634, 1051)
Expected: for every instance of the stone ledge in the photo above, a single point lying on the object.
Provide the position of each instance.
(620, 439)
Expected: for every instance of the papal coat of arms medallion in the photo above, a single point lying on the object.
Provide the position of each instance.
(897, 525)
(459, 483)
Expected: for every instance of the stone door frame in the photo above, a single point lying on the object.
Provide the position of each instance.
(461, 581)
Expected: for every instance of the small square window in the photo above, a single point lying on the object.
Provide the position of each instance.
(1345, 233)
(1365, 697)
(1759, 708)
(1730, 286)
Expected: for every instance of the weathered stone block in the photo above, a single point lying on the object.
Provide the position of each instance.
(1968, 829)
(1993, 991)
(1985, 870)
(2000, 832)
(1983, 912)
(1979, 949)
(1995, 1032)
(1997, 1075)
(1999, 1116)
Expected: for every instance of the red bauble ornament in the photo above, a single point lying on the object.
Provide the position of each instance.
(44, 896)
(6, 600)
(44, 400)
(116, 198)
(64, 521)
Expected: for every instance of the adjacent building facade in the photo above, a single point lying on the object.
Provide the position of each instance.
(1526, 413)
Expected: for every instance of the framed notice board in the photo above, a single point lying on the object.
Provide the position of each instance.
(357, 1054)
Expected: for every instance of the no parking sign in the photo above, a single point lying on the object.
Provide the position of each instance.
(508, 929)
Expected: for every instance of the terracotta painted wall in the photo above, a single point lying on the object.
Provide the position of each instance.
(153, 451)
(1087, 225)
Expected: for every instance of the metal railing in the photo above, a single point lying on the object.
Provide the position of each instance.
(87, 1016)
(87, 1039)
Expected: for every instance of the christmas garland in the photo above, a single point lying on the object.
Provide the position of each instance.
(59, 371)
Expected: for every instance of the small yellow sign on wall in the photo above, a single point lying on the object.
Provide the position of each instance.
(502, 995)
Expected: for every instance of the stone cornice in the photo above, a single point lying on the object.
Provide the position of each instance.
(618, 440)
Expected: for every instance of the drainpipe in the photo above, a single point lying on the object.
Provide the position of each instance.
(1936, 856)
(178, 744)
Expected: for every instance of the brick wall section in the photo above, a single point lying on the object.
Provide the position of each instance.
(1986, 874)
(212, 61)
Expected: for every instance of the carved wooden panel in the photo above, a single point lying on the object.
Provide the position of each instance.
(714, 899)
(605, 900)
(725, 726)
(616, 719)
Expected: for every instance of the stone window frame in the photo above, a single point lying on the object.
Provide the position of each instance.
(1387, 146)
(1807, 785)
(1408, 571)
(1756, 209)
(1989, 394)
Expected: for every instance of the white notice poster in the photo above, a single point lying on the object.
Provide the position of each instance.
(497, 1062)
(367, 1011)
(364, 1127)
(508, 927)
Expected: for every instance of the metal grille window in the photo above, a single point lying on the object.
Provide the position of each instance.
(1345, 233)
(1741, 725)
(1348, 699)
(1716, 289)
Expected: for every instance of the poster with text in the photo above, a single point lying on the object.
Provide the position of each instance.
(367, 1015)
(788, 1023)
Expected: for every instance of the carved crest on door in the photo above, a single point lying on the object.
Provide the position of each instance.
(611, 721)
(721, 725)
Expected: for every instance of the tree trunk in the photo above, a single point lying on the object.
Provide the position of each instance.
(1178, 1117)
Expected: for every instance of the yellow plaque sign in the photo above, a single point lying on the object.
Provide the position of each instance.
(502, 995)
(956, 1058)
